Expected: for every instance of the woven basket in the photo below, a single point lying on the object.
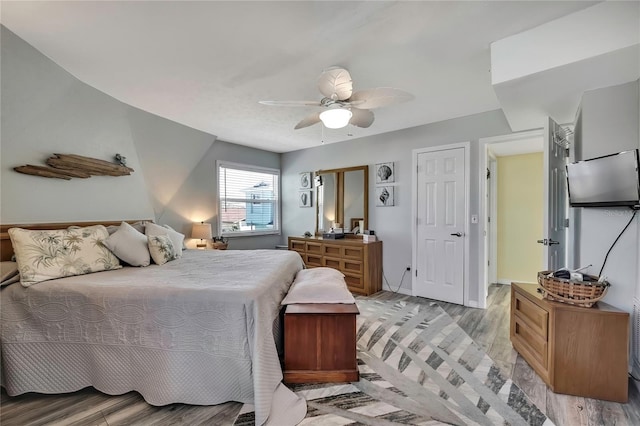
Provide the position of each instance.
(572, 292)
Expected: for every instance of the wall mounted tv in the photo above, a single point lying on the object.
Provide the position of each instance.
(609, 181)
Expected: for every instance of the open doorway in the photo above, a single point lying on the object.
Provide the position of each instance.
(511, 208)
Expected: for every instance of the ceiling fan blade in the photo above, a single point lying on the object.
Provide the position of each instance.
(361, 117)
(379, 97)
(309, 120)
(290, 103)
(335, 83)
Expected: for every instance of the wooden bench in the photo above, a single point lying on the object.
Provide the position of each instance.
(320, 343)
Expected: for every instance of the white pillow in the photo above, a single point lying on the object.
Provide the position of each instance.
(319, 285)
(46, 255)
(183, 246)
(129, 245)
(161, 249)
(151, 229)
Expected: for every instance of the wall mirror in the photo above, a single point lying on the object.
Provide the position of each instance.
(342, 198)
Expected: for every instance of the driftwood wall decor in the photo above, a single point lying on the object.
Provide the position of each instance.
(67, 166)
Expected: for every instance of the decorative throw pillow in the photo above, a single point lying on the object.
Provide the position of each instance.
(151, 229)
(161, 249)
(46, 255)
(184, 246)
(129, 245)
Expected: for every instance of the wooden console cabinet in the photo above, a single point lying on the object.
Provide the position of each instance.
(320, 343)
(575, 350)
(360, 262)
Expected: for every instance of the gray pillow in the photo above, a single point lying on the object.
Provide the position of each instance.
(9, 273)
(129, 245)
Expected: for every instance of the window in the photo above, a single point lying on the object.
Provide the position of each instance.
(248, 200)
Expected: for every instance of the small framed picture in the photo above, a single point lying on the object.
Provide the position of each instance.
(384, 196)
(385, 173)
(305, 180)
(304, 199)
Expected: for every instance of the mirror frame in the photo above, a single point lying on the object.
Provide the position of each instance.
(340, 194)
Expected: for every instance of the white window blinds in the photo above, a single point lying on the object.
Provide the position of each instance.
(248, 200)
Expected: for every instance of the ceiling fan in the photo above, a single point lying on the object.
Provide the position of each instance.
(343, 106)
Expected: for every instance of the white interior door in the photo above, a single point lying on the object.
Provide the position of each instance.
(440, 225)
(555, 193)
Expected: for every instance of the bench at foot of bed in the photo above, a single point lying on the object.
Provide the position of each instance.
(320, 343)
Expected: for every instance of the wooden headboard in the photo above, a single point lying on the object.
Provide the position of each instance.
(6, 249)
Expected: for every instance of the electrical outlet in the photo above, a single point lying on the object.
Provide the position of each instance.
(408, 267)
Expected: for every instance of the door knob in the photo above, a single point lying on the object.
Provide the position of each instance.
(544, 242)
(457, 234)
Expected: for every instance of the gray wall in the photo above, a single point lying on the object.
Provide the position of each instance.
(196, 200)
(45, 110)
(609, 123)
(392, 224)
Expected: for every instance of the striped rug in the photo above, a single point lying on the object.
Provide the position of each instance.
(417, 367)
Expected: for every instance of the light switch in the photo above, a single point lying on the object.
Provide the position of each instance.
(474, 218)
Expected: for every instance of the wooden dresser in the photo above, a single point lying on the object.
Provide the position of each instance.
(575, 350)
(361, 263)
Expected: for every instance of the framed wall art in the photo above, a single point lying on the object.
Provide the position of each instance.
(305, 180)
(385, 173)
(304, 199)
(384, 196)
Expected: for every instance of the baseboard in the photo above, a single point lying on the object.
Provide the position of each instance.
(504, 281)
(472, 303)
(401, 290)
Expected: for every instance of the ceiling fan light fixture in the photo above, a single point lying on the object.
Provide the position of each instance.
(335, 118)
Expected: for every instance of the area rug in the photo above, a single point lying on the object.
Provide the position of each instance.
(417, 367)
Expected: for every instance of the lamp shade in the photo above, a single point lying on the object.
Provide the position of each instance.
(335, 118)
(201, 230)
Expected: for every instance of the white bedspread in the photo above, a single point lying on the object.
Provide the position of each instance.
(197, 330)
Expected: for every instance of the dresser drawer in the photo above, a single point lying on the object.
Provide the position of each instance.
(299, 246)
(313, 260)
(535, 317)
(332, 262)
(354, 281)
(352, 266)
(314, 248)
(529, 343)
(332, 250)
(352, 252)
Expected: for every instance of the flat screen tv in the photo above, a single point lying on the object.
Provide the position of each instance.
(609, 181)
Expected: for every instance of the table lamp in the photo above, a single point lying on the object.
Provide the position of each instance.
(202, 231)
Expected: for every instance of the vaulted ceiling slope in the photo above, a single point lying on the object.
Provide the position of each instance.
(207, 64)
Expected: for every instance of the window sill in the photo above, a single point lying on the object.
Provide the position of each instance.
(249, 234)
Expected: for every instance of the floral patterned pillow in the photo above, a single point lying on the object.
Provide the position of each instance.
(162, 249)
(47, 255)
(151, 229)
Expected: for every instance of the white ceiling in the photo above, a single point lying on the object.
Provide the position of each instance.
(207, 64)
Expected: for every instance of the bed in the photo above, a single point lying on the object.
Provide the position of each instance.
(197, 330)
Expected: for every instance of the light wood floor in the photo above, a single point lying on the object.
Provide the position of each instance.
(489, 328)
